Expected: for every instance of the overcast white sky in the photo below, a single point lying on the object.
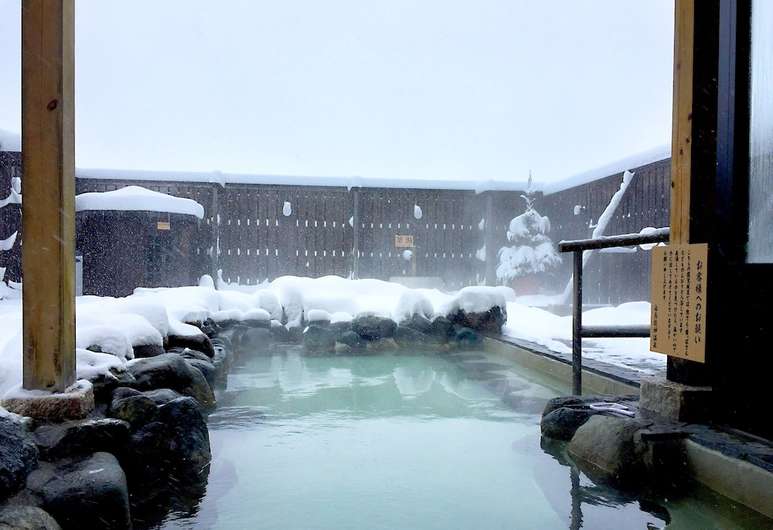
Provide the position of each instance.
(388, 88)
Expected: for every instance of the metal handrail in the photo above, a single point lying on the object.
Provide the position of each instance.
(578, 247)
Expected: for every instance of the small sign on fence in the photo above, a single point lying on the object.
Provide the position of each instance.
(163, 225)
(679, 301)
(403, 241)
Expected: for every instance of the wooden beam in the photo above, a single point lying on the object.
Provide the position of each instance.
(48, 210)
(681, 146)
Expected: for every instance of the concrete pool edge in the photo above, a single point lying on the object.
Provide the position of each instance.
(596, 380)
(737, 479)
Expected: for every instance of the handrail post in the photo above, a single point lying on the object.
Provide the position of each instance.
(577, 325)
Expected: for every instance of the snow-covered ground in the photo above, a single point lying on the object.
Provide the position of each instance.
(116, 325)
(533, 324)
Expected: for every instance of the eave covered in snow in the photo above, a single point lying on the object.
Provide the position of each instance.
(136, 198)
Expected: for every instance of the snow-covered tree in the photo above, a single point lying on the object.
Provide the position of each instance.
(532, 251)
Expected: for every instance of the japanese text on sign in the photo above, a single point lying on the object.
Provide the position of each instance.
(679, 301)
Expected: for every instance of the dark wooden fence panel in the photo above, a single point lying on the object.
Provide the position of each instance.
(10, 216)
(258, 242)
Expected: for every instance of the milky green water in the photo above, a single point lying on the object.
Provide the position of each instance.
(405, 442)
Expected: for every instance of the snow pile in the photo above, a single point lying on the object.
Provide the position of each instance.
(137, 198)
(477, 300)
(535, 325)
(113, 327)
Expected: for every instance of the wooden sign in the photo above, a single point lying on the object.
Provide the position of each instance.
(403, 241)
(163, 225)
(679, 301)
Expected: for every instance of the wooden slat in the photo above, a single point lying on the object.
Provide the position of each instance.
(684, 30)
(48, 253)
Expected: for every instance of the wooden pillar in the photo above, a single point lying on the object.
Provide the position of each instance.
(681, 141)
(48, 210)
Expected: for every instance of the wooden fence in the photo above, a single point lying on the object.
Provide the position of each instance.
(257, 232)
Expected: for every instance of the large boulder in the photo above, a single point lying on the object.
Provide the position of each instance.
(372, 328)
(26, 518)
(83, 493)
(81, 437)
(441, 328)
(200, 342)
(147, 350)
(491, 320)
(607, 447)
(410, 338)
(351, 339)
(178, 437)
(418, 322)
(170, 370)
(563, 422)
(318, 339)
(133, 407)
(18, 454)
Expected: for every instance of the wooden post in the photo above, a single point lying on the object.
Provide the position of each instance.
(681, 141)
(355, 234)
(48, 210)
(488, 241)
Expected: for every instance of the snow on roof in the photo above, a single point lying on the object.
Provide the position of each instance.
(136, 198)
(628, 163)
(302, 180)
(9, 141)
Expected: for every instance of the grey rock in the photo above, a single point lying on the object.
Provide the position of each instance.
(606, 446)
(487, 321)
(419, 323)
(177, 438)
(442, 328)
(132, 407)
(208, 327)
(408, 337)
(199, 342)
(172, 371)
(105, 383)
(317, 339)
(371, 327)
(585, 400)
(563, 422)
(83, 493)
(206, 368)
(18, 454)
(351, 339)
(81, 437)
(147, 350)
(161, 396)
(465, 336)
(26, 518)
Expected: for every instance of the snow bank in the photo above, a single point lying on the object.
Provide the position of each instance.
(535, 325)
(136, 198)
(115, 326)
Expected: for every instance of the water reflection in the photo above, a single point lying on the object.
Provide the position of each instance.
(390, 441)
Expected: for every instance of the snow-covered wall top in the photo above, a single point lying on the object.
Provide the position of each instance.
(302, 180)
(9, 141)
(136, 198)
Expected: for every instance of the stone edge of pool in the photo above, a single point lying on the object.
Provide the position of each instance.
(730, 464)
